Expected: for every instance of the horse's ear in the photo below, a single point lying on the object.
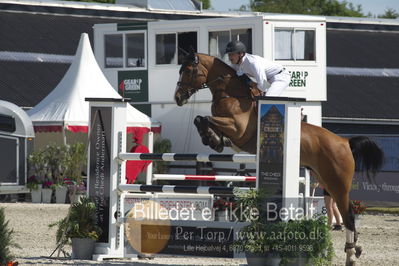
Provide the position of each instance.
(192, 56)
(184, 52)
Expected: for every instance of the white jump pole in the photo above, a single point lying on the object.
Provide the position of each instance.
(226, 178)
(148, 180)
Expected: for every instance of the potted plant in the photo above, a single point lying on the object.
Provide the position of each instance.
(358, 209)
(61, 190)
(37, 167)
(292, 242)
(75, 161)
(76, 190)
(35, 189)
(47, 191)
(79, 228)
(55, 157)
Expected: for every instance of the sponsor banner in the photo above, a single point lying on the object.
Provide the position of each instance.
(150, 234)
(195, 241)
(386, 187)
(186, 207)
(298, 78)
(271, 149)
(100, 162)
(134, 85)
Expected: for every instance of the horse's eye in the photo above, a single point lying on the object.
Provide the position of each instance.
(187, 71)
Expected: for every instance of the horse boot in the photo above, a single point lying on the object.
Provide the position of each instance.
(215, 141)
(226, 141)
(201, 128)
(350, 251)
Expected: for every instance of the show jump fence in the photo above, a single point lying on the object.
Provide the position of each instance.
(106, 168)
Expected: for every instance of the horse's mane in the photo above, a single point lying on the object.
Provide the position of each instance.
(218, 64)
(222, 63)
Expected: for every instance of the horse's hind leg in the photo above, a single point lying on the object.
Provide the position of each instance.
(337, 179)
(346, 211)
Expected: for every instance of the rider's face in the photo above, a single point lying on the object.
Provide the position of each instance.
(234, 58)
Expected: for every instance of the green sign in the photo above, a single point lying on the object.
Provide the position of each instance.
(134, 85)
(298, 78)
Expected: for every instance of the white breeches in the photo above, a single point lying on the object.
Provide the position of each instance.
(278, 84)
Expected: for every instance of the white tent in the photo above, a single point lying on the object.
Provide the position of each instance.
(65, 107)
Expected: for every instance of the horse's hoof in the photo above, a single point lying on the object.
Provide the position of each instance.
(214, 139)
(227, 142)
(350, 263)
(219, 148)
(197, 120)
(359, 251)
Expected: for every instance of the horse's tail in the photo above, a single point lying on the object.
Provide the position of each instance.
(368, 156)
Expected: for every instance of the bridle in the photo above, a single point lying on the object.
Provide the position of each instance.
(194, 73)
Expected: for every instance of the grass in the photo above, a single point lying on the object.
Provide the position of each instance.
(390, 210)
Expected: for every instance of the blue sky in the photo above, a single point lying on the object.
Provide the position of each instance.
(376, 7)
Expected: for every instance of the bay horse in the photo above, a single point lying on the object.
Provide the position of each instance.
(234, 123)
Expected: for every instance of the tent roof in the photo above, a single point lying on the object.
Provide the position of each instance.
(65, 106)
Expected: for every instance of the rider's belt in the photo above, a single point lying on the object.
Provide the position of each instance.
(281, 71)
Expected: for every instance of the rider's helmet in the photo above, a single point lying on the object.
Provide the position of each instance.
(235, 47)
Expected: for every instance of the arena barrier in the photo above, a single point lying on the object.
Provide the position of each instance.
(107, 184)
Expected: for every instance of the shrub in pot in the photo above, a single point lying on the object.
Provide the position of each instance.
(79, 228)
(294, 242)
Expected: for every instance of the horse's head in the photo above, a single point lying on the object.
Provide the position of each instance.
(192, 78)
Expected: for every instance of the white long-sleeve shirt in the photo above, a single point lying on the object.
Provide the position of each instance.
(259, 68)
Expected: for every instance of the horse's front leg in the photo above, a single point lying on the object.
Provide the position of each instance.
(209, 136)
(222, 131)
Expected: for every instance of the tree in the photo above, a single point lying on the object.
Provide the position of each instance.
(5, 240)
(390, 13)
(206, 4)
(308, 7)
(96, 1)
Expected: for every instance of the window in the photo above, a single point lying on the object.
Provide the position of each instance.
(186, 42)
(135, 50)
(172, 48)
(125, 50)
(218, 40)
(165, 49)
(113, 50)
(294, 44)
(7, 123)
